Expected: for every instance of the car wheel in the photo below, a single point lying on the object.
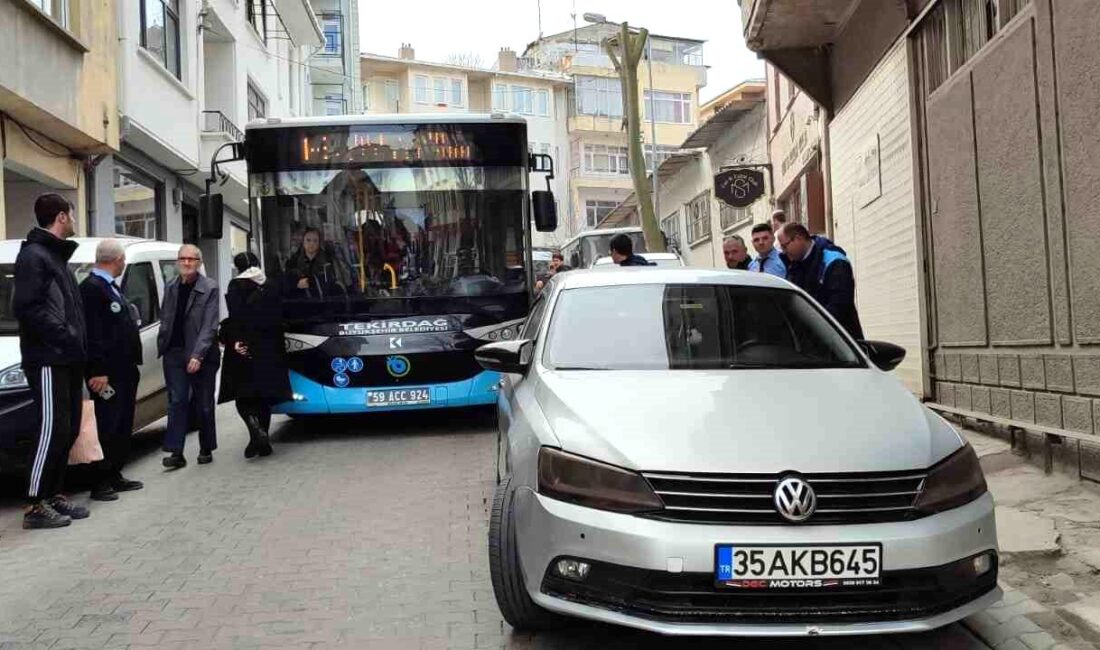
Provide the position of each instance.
(508, 585)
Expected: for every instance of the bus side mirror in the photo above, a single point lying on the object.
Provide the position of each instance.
(546, 212)
(210, 216)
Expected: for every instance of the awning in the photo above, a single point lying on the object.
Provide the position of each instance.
(709, 132)
(300, 22)
(624, 213)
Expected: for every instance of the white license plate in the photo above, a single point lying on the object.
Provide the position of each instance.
(787, 567)
(399, 397)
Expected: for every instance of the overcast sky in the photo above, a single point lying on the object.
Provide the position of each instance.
(438, 28)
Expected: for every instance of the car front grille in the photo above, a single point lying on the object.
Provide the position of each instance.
(748, 499)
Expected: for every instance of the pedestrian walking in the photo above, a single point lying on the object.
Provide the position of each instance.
(254, 372)
(46, 303)
(822, 270)
(768, 259)
(187, 342)
(622, 252)
(114, 354)
(736, 253)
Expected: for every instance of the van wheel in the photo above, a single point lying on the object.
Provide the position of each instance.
(508, 585)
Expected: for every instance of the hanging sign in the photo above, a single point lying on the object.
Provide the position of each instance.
(739, 187)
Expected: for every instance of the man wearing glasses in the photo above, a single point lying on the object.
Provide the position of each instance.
(188, 331)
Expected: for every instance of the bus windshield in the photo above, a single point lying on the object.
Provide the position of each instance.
(445, 232)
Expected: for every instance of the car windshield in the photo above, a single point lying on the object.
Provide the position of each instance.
(8, 325)
(692, 327)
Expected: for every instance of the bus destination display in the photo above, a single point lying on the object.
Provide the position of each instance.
(376, 146)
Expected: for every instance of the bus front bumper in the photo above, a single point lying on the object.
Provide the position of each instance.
(312, 398)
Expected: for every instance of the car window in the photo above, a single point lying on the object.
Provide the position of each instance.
(169, 271)
(140, 287)
(534, 319)
(692, 327)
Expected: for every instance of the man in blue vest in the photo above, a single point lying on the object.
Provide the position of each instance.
(822, 270)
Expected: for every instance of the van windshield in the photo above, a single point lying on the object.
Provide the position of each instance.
(8, 325)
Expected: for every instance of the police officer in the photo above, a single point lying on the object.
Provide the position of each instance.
(114, 354)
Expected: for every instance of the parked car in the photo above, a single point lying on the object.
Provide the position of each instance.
(738, 465)
(660, 259)
(149, 266)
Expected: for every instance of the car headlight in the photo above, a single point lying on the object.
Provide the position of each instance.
(13, 377)
(954, 481)
(593, 484)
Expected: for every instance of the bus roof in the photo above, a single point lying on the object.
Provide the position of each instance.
(390, 118)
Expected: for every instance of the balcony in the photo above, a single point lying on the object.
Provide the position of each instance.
(215, 124)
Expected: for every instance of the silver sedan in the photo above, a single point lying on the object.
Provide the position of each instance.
(708, 453)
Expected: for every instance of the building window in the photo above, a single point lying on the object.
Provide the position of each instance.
(603, 159)
(56, 9)
(330, 26)
(334, 105)
(672, 108)
(137, 208)
(391, 96)
(670, 226)
(676, 52)
(366, 96)
(664, 152)
(439, 86)
(542, 103)
(731, 217)
(456, 92)
(420, 86)
(500, 97)
(597, 211)
(160, 32)
(956, 30)
(257, 103)
(698, 219)
(255, 11)
(600, 96)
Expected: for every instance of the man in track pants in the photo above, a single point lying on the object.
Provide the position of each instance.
(48, 306)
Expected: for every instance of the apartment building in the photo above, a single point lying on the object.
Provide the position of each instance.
(599, 173)
(58, 104)
(405, 84)
(334, 68)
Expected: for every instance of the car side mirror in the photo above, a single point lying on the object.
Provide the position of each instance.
(546, 212)
(506, 356)
(885, 355)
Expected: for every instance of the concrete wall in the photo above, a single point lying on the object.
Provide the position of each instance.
(1014, 185)
(874, 209)
(869, 33)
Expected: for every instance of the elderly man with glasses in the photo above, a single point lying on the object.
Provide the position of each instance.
(187, 342)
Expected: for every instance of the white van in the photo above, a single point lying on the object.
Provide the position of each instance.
(150, 265)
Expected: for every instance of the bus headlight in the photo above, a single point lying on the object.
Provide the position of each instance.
(506, 331)
(13, 378)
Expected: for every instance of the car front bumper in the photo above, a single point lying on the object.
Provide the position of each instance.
(658, 575)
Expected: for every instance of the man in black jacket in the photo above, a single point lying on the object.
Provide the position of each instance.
(822, 270)
(46, 303)
(114, 354)
(622, 252)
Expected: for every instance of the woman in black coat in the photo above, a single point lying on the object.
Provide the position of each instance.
(254, 371)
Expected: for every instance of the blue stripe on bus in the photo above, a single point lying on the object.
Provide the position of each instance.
(481, 389)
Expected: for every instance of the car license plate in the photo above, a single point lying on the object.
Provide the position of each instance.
(797, 567)
(399, 397)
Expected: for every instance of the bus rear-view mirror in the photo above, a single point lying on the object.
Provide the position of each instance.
(210, 216)
(546, 212)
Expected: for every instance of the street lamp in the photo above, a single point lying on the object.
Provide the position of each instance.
(600, 19)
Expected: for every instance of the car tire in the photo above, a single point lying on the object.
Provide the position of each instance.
(508, 584)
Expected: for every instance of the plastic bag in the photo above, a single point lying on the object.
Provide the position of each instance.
(86, 449)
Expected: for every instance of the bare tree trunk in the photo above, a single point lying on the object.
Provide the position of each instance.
(630, 49)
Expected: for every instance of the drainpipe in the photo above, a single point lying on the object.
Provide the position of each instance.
(826, 171)
(90, 194)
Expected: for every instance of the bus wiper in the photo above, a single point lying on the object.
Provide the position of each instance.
(754, 364)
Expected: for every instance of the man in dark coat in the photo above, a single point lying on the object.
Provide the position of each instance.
(822, 270)
(114, 354)
(622, 252)
(46, 302)
(254, 371)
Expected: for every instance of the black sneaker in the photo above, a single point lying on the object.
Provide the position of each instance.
(205, 457)
(65, 507)
(121, 484)
(104, 492)
(175, 461)
(41, 515)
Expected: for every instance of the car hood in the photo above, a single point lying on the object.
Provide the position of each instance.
(744, 421)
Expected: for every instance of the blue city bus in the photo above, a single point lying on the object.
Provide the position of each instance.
(400, 244)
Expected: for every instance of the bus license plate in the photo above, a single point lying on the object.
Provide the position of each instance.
(798, 567)
(399, 397)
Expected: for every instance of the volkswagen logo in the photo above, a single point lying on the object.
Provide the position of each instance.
(795, 500)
